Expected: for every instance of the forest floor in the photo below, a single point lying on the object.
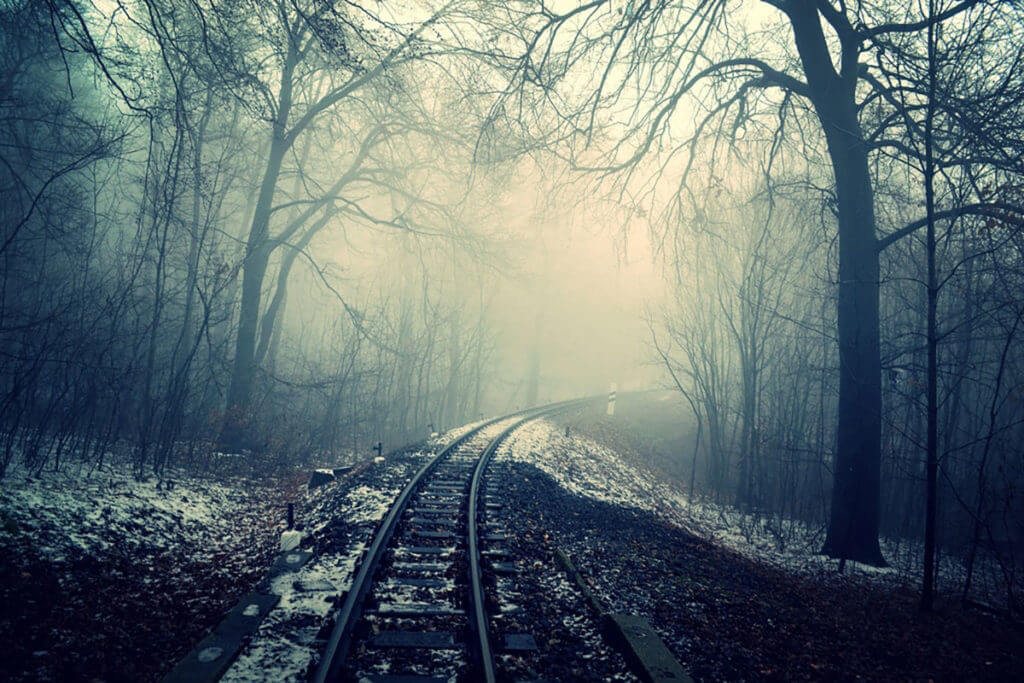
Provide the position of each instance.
(108, 578)
(731, 605)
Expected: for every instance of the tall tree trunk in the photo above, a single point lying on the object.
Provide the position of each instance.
(257, 255)
(269, 324)
(932, 446)
(856, 492)
(244, 367)
(478, 366)
(449, 412)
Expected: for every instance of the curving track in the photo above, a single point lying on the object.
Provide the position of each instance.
(417, 609)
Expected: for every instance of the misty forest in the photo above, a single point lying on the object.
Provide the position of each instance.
(466, 340)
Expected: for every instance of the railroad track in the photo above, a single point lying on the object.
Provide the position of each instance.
(418, 609)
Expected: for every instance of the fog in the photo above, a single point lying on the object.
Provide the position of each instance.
(289, 230)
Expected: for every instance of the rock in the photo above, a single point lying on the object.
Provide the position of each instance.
(290, 540)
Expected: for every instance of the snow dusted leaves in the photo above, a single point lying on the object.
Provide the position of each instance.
(590, 469)
(64, 515)
(368, 504)
(284, 645)
(111, 577)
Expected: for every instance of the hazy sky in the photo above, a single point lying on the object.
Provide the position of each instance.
(590, 279)
(568, 259)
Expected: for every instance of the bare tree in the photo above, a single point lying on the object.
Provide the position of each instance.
(834, 69)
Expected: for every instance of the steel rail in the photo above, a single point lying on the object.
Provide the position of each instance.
(480, 624)
(336, 649)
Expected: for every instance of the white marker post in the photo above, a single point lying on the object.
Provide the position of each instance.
(611, 399)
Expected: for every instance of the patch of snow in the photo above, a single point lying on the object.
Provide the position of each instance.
(285, 643)
(589, 469)
(368, 504)
(290, 540)
(445, 438)
(68, 514)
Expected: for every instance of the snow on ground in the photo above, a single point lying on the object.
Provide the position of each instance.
(65, 515)
(284, 645)
(191, 550)
(368, 504)
(340, 519)
(441, 440)
(590, 469)
(98, 564)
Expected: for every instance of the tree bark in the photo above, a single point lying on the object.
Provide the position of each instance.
(932, 447)
(856, 492)
(268, 324)
(254, 270)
